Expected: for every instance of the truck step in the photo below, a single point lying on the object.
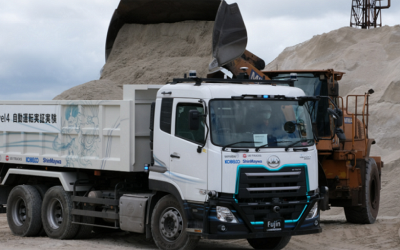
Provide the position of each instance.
(95, 225)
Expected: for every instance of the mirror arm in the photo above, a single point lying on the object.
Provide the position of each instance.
(334, 104)
(205, 106)
(199, 148)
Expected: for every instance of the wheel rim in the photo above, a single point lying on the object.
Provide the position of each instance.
(19, 212)
(55, 213)
(171, 224)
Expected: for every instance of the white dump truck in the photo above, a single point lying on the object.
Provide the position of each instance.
(178, 162)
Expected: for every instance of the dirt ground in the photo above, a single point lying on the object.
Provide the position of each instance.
(337, 234)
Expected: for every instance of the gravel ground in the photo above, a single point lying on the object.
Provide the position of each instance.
(337, 234)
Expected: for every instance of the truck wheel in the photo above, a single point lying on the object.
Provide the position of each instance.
(274, 243)
(367, 214)
(42, 189)
(23, 211)
(168, 226)
(56, 214)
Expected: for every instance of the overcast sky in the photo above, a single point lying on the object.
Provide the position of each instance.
(47, 47)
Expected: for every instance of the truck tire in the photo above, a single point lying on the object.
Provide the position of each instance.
(23, 211)
(274, 243)
(42, 189)
(367, 214)
(56, 214)
(168, 226)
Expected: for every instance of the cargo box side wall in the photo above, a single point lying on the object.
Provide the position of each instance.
(73, 134)
(98, 135)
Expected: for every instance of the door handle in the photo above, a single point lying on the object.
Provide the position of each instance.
(175, 156)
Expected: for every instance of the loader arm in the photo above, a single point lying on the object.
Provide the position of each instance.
(253, 63)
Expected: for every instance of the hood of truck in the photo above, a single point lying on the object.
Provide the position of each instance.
(270, 159)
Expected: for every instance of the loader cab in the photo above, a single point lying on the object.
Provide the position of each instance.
(314, 83)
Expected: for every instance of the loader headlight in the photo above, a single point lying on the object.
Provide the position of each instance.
(313, 212)
(224, 214)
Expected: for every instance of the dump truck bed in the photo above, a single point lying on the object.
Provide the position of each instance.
(99, 135)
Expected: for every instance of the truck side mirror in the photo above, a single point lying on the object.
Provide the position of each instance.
(337, 114)
(194, 119)
(339, 121)
(332, 113)
(289, 127)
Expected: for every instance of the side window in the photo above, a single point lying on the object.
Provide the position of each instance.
(166, 114)
(182, 123)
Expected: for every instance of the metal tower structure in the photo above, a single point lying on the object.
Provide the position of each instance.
(367, 13)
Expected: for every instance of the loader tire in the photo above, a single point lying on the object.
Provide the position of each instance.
(274, 243)
(367, 214)
(56, 214)
(168, 226)
(23, 211)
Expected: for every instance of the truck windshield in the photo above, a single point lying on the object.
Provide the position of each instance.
(312, 85)
(259, 123)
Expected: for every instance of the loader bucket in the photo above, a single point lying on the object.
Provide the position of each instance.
(159, 11)
(229, 36)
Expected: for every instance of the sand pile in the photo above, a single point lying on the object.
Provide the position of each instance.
(370, 59)
(149, 54)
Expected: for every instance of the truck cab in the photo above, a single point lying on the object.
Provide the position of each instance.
(248, 169)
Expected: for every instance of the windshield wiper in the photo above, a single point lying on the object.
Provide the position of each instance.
(236, 143)
(258, 148)
(294, 143)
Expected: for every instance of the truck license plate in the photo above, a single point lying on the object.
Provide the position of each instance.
(273, 224)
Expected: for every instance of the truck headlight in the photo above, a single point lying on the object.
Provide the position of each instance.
(224, 214)
(313, 212)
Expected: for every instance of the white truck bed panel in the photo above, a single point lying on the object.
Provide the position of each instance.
(99, 135)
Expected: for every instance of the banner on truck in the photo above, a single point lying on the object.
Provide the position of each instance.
(30, 118)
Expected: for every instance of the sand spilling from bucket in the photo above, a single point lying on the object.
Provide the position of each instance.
(370, 59)
(149, 54)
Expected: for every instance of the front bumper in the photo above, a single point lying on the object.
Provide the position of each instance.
(204, 222)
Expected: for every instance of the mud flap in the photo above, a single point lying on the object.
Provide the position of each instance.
(324, 203)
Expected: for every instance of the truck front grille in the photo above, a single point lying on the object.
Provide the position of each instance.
(260, 189)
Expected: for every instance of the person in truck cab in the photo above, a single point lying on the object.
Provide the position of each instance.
(265, 124)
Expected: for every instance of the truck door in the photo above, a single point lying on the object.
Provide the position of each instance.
(188, 168)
